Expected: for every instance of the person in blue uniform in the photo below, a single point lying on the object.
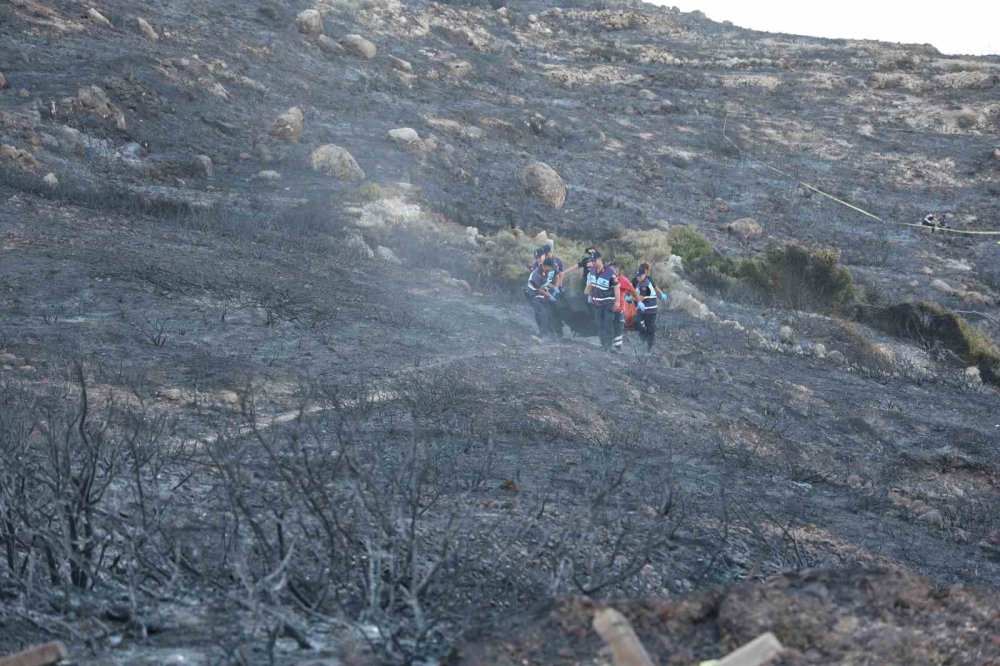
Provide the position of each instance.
(603, 293)
(645, 317)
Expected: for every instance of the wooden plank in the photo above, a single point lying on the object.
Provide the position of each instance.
(757, 652)
(626, 650)
(38, 655)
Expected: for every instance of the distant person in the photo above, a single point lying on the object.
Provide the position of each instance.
(934, 222)
(603, 292)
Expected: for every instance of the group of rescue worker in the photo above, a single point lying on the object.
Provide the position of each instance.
(609, 294)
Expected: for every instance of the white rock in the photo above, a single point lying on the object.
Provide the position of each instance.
(267, 175)
(972, 375)
(98, 18)
(288, 126)
(942, 286)
(359, 46)
(405, 135)
(310, 22)
(205, 166)
(228, 397)
(51, 180)
(400, 65)
(387, 255)
(336, 161)
(147, 30)
(837, 357)
(786, 335)
(819, 350)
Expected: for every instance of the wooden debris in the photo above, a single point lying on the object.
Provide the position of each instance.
(757, 652)
(39, 655)
(615, 630)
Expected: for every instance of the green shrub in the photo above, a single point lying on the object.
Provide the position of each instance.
(793, 276)
(697, 251)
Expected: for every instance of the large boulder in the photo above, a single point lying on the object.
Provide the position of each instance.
(309, 22)
(544, 183)
(359, 46)
(405, 135)
(336, 161)
(288, 126)
(745, 228)
(330, 46)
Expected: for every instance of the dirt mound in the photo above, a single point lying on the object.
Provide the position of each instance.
(821, 617)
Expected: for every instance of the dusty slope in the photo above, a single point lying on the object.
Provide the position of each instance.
(551, 470)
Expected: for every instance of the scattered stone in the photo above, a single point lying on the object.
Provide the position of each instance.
(926, 270)
(288, 126)
(310, 22)
(942, 286)
(819, 350)
(51, 180)
(455, 127)
(972, 375)
(355, 242)
(996, 151)
(336, 161)
(932, 517)
(647, 94)
(7, 358)
(662, 225)
(382, 253)
(27, 368)
(976, 298)
(786, 335)
(147, 30)
(400, 65)
(330, 46)
(228, 397)
(3, 81)
(359, 46)
(172, 394)
(204, 165)
(99, 18)
(745, 228)
(544, 183)
(405, 135)
(267, 175)
(245, 156)
(93, 98)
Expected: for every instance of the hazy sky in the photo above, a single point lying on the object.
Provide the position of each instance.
(953, 26)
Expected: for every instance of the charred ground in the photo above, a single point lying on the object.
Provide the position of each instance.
(233, 426)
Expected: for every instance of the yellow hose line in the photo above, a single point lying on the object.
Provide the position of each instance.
(970, 232)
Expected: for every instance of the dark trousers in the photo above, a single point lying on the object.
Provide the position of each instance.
(645, 325)
(619, 330)
(549, 323)
(605, 319)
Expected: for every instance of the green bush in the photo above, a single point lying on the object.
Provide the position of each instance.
(793, 276)
(697, 251)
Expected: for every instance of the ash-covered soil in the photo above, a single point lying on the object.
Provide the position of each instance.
(257, 407)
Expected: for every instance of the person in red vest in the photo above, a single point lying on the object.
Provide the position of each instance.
(624, 308)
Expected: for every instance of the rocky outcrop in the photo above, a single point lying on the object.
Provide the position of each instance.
(544, 183)
(288, 126)
(336, 161)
